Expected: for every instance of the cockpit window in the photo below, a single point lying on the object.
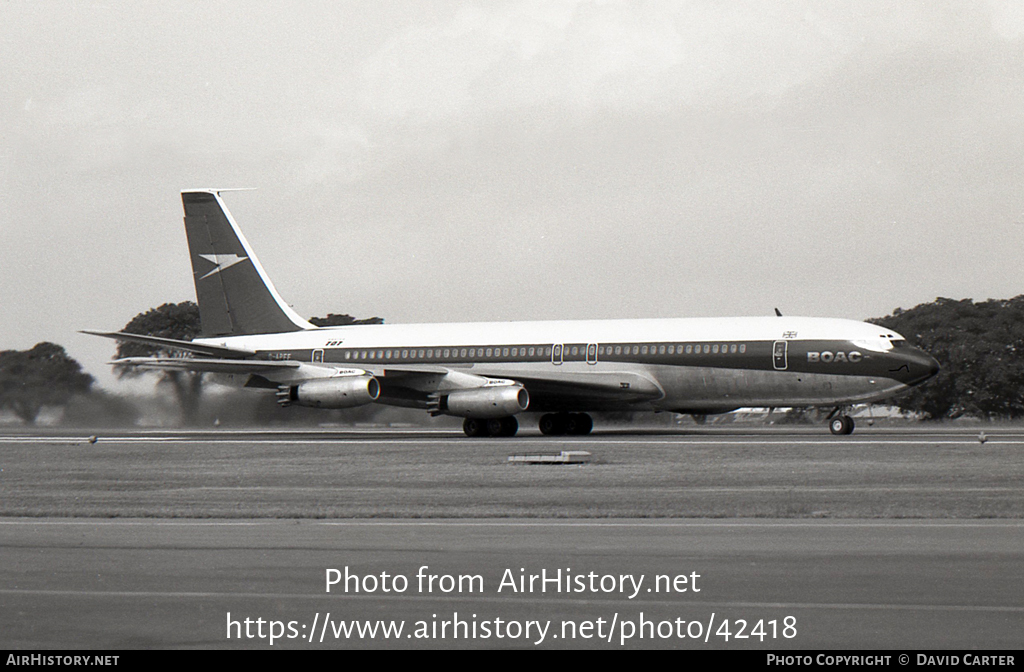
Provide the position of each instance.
(875, 344)
(899, 343)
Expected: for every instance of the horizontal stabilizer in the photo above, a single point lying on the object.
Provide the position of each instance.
(188, 346)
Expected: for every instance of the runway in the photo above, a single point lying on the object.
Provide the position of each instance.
(891, 538)
(900, 585)
(683, 436)
(528, 438)
(403, 473)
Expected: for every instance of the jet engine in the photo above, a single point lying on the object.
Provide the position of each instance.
(486, 402)
(338, 392)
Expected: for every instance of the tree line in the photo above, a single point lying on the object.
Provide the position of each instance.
(980, 347)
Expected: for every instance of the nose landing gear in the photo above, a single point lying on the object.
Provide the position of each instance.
(841, 424)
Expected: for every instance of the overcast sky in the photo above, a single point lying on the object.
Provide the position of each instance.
(439, 161)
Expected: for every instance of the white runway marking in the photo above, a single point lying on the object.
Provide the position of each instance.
(831, 523)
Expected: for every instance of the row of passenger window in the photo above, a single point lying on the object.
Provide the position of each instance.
(544, 352)
(673, 349)
(451, 353)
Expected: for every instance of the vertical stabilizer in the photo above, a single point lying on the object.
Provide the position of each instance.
(235, 295)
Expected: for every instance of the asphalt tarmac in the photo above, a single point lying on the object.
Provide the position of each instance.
(765, 583)
(698, 584)
(691, 473)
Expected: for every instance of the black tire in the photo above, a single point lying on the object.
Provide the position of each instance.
(551, 424)
(841, 425)
(584, 424)
(474, 428)
(578, 424)
(502, 426)
(510, 426)
(571, 422)
(837, 425)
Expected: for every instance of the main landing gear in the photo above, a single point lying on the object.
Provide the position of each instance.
(493, 427)
(573, 424)
(551, 424)
(840, 424)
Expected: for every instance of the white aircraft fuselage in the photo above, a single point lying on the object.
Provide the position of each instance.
(691, 365)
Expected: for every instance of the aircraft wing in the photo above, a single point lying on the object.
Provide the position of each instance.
(209, 365)
(262, 372)
(187, 346)
(546, 389)
(416, 385)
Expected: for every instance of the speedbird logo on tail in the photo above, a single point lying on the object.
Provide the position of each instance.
(222, 261)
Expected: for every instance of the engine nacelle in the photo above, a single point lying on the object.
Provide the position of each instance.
(487, 402)
(339, 392)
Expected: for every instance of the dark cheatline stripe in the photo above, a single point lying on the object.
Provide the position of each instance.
(833, 357)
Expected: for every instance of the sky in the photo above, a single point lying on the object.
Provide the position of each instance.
(465, 161)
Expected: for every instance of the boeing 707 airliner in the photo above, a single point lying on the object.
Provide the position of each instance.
(491, 373)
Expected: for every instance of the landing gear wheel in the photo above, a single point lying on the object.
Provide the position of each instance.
(573, 424)
(502, 426)
(578, 424)
(474, 428)
(552, 424)
(841, 425)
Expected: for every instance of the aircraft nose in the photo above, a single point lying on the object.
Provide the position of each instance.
(920, 366)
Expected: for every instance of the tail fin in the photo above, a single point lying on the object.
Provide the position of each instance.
(234, 293)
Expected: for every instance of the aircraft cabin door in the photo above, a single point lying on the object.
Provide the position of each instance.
(779, 355)
(318, 355)
(556, 354)
(591, 353)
